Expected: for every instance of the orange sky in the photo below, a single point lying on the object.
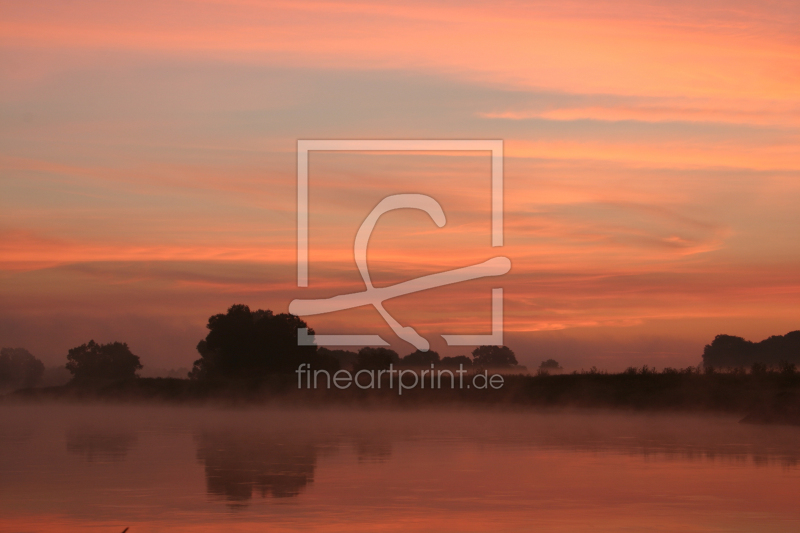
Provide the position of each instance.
(147, 169)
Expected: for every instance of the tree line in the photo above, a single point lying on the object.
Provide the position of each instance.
(728, 351)
(246, 344)
(243, 344)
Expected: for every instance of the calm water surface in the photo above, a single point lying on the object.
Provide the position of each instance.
(104, 468)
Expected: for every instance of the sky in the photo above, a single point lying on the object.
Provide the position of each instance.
(651, 170)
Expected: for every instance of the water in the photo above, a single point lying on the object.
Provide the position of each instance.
(104, 468)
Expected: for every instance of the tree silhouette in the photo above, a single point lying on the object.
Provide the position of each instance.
(18, 368)
(245, 344)
(728, 351)
(494, 357)
(454, 362)
(550, 364)
(375, 359)
(346, 358)
(112, 361)
(420, 359)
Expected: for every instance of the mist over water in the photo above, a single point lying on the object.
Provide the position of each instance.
(149, 468)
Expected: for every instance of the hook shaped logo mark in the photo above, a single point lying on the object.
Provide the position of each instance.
(375, 296)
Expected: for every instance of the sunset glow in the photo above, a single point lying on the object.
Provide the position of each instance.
(652, 169)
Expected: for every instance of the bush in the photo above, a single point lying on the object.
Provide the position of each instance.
(93, 362)
(494, 357)
(420, 359)
(454, 362)
(18, 368)
(375, 359)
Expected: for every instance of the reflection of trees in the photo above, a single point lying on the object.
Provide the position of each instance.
(236, 465)
(373, 450)
(97, 445)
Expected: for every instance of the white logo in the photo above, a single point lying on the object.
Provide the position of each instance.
(373, 296)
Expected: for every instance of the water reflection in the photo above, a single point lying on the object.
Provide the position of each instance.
(98, 445)
(724, 455)
(236, 465)
(372, 450)
(177, 469)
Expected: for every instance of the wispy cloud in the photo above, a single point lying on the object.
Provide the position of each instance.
(147, 168)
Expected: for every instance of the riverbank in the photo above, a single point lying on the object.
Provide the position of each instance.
(769, 397)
